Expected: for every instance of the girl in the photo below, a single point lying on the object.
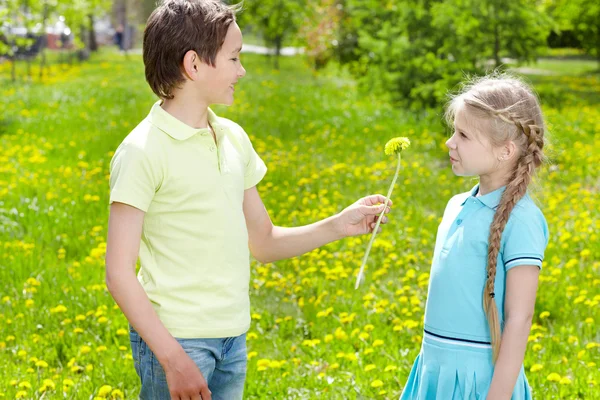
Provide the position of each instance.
(488, 252)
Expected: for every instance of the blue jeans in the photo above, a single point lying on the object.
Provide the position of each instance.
(221, 361)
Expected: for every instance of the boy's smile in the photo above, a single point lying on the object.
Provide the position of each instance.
(217, 84)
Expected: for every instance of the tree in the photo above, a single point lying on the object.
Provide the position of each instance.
(276, 20)
(320, 30)
(417, 50)
(583, 18)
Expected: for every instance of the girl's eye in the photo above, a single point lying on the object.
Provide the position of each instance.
(462, 135)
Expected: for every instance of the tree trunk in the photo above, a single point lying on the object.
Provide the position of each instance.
(13, 70)
(598, 45)
(92, 34)
(496, 38)
(278, 43)
(43, 41)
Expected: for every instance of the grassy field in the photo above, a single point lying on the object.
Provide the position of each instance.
(313, 336)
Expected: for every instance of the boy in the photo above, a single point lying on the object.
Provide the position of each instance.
(183, 198)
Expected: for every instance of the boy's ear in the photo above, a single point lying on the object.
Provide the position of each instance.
(191, 65)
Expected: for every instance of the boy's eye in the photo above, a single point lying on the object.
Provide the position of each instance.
(235, 59)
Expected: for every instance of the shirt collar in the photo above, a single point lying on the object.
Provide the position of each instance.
(491, 199)
(175, 128)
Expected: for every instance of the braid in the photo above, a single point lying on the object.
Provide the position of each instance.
(515, 190)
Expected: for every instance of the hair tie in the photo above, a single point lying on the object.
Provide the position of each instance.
(492, 295)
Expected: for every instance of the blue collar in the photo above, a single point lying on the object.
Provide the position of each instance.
(491, 199)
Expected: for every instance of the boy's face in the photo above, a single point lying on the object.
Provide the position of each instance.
(217, 83)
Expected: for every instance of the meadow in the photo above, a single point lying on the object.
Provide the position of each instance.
(313, 336)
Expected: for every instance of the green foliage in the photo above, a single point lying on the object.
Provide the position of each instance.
(416, 51)
(275, 20)
(580, 16)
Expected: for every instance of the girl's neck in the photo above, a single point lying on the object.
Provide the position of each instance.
(490, 183)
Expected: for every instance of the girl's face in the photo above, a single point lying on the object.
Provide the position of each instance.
(471, 152)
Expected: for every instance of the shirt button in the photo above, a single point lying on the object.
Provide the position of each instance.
(458, 221)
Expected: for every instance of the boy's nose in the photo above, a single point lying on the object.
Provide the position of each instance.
(242, 72)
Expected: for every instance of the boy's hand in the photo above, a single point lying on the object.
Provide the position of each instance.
(184, 378)
(360, 218)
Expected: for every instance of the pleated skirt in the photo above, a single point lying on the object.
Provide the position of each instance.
(453, 370)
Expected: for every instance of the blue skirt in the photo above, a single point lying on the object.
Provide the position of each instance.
(449, 369)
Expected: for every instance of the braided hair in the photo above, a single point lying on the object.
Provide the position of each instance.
(515, 115)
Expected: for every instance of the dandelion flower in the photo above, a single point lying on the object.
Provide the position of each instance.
(393, 146)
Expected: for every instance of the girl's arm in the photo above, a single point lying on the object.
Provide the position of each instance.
(519, 303)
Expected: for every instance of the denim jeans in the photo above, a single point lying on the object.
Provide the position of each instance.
(221, 361)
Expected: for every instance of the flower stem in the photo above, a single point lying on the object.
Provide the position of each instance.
(364, 261)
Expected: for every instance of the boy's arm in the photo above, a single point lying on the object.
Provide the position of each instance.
(123, 243)
(269, 243)
(519, 303)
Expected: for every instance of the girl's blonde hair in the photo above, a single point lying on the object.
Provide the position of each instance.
(514, 113)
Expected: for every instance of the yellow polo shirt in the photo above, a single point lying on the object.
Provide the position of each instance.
(194, 256)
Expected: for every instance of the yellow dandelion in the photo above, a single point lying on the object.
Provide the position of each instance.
(396, 145)
(565, 381)
(536, 367)
(554, 377)
(376, 383)
(105, 390)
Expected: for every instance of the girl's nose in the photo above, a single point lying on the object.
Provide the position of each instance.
(450, 143)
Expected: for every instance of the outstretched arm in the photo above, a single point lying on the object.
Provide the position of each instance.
(269, 243)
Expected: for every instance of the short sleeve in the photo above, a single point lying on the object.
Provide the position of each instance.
(133, 177)
(255, 167)
(526, 240)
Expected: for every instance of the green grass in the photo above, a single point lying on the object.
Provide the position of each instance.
(313, 335)
(566, 67)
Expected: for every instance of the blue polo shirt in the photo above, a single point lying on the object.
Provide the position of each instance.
(458, 272)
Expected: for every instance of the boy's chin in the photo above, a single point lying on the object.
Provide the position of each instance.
(223, 102)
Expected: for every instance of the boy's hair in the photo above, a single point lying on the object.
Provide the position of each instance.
(514, 113)
(176, 27)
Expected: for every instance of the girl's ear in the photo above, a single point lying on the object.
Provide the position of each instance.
(508, 151)
(191, 65)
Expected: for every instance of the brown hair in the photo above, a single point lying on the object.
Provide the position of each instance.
(514, 113)
(176, 27)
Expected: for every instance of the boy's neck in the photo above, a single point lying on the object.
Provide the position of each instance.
(189, 110)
